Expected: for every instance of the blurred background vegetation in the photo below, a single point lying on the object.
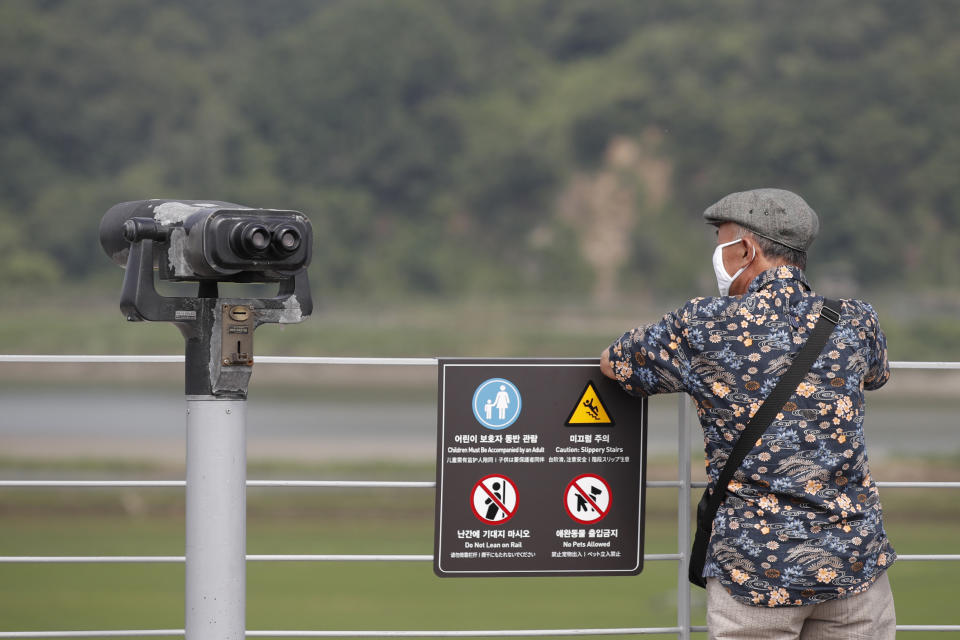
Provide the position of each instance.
(551, 152)
(507, 178)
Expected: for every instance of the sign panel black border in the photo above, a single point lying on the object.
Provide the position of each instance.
(529, 545)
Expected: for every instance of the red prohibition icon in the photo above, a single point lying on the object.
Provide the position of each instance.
(494, 499)
(587, 498)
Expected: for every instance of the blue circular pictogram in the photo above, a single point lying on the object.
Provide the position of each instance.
(496, 403)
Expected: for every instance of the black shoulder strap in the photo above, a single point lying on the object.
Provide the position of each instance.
(785, 387)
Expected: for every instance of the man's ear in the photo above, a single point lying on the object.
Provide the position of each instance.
(749, 246)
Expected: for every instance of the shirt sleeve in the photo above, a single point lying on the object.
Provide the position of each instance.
(651, 359)
(878, 369)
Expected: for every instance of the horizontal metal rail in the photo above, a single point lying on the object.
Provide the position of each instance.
(907, 364)
(113, 633)
(90, 559)
(410, 362)
(650, 557)
(370, 557)
(358, 484)
(139, 484)
(109, 359)
(918, 485)
(480, 633)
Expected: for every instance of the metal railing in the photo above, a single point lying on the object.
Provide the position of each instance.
(683, 484)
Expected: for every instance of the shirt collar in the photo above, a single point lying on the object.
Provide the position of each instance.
(781, 273)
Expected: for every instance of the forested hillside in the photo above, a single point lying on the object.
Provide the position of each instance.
(458, 147)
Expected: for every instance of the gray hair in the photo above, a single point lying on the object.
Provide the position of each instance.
(773, 249)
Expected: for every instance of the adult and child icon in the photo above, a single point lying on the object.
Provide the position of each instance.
(500, 396)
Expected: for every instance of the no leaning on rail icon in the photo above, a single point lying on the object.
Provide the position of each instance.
(494, 499)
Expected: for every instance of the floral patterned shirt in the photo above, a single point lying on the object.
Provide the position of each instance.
(801, 522)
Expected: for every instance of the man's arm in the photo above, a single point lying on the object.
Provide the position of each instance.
(879, 370)
(648, 359)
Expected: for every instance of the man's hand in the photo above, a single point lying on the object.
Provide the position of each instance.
(606, 367)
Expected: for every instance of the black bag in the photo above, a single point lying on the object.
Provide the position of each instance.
(786, 386)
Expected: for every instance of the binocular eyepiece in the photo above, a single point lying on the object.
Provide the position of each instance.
(254, 239)
(219, 241)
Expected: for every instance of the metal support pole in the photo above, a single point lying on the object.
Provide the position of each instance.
(174, 236)
(683, 517)
(216, 519)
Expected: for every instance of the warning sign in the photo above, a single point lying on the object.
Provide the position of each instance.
(587, 498)
(520, 492)
(589, 410)
(494, 499)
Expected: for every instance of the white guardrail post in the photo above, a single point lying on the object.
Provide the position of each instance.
(216, 575)
(683, 517)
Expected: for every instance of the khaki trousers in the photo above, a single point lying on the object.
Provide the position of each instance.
(865, 616)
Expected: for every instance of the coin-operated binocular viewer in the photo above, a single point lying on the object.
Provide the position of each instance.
(209, 243)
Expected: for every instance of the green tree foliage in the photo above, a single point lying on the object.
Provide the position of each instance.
(456, 146)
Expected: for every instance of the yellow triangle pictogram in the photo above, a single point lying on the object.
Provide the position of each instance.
(589, 409)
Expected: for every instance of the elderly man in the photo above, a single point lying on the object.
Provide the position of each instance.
(797, 547)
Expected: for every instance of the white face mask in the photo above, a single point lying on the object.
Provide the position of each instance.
(724, 279)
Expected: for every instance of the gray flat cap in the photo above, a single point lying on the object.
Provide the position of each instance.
(775, 214)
